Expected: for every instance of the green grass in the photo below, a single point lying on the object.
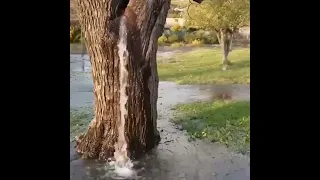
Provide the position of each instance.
(203, 66)
(181, 3)
(79, 121)
(77, 48)
(227, 122)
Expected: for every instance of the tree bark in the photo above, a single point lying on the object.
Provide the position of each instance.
(225, 37)
(144, 21)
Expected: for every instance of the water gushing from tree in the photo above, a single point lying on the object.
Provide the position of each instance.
(123, 165)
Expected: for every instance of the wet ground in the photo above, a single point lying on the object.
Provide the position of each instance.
(176, 157)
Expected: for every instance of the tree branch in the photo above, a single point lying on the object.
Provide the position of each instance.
(218, 35)
(156, 32)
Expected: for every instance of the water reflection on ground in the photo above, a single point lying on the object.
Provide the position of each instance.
(175, 157)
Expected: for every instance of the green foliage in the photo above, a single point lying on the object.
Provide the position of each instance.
(75, 34)
(189, 37)
(206, 37)
(191, 29)
(162, 40)
(216, 14)
(178, 34)
(210, 37)
(177, 44)
(197, 42)
(176, 28)
(173, 38)
(227, 122)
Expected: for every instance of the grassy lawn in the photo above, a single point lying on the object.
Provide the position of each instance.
(77, 48)
(181, 3)
(203, 66)
(227, 122)
(79, 121)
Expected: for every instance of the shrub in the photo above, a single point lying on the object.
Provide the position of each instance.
(177, 44)
(173, 38)
(189, 37)
(191, 29)
(176, 28)
(211, 38)
(162, 40)
(166, 32)
(200, 34)
(75, 34)
(207, 37)
(196, 42)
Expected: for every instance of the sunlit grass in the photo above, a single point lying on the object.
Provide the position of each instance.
(227, 122)
(203, 66)
(180, 3)
(79, 121)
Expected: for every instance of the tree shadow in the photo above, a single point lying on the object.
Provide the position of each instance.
(240, 64)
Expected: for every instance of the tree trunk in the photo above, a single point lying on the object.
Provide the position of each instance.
(225, 37)
(131, 105)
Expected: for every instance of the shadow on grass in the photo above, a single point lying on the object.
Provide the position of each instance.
(240, 64)
(227, 122)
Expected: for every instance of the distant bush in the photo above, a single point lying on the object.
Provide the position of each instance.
(189, 37)
(162, 40)
(173, 38)
(177, 44)
(211, 38)
(179, 34)
(191, 29)
(206, 37)
(75, 34)
(176, 28)
(166, 32)
(196, 42)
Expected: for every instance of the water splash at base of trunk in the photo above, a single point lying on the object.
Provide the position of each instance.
(122, 164)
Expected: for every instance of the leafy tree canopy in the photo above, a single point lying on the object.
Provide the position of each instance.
(217, 14)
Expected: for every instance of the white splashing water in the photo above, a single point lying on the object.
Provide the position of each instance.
(122, 164)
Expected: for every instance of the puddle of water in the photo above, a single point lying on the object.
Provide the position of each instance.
(238, 92)
(79, 63)
(175, 157)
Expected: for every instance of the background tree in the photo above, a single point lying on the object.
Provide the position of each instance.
(223, 16)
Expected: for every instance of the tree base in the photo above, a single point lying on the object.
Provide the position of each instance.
(99, 144)
(226, 64)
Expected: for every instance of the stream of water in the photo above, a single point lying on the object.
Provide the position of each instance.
(122, 165)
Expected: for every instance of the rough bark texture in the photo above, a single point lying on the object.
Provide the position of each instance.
(225, 37)
(100, 24)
